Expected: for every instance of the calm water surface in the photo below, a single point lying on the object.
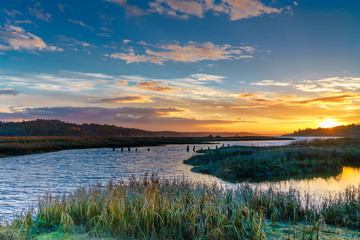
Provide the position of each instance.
(24, 179)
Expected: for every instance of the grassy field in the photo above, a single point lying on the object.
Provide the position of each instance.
(13, 146)
(151, 208)
(298, 160)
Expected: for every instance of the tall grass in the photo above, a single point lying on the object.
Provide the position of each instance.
(151, 208)
(302, 159)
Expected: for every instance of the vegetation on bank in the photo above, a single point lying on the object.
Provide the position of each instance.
(152, 208)
(13, 146)
(301, 159)
(352, 130)
(45, 127)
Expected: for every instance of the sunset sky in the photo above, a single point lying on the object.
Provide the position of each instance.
(267, 67)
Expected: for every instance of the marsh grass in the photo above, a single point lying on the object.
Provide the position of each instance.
(301, 159)
(152, 208)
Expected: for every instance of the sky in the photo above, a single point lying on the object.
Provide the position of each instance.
(267, 67)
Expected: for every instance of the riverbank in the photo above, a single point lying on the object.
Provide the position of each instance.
(152, 208)
(298, 160)
(15, 146)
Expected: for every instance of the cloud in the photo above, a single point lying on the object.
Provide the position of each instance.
(131, 58)
(63, 81)
(236, 9)
(146, 118)
(334, 84)
(12, 13)
(126, 99)
(9, 91)
(176, 8)
(201, 77)
(190, 52)
(346, 98)
(39, 13)
(16, 38)
(157, 86)
(121, 82)
(62, 7)
(241, 9)
(270, 83)
(72, 41)
(246, 95)
(131, 10)
(81, 23)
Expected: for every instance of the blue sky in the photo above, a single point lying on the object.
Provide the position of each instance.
(186, 65)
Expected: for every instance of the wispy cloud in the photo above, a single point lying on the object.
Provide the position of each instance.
(270, 83)
(335, 84)
(39, 14)
(9, 91)
(73, 42)
(236, 9)
(345, 98)
(190, 52)
(131, 10)
(64, 81)
(62, 7)
(12, 13)
(155, 86)
(81, 23)
(16, 38)
(148, 118)
(126, 99)
(175, 8)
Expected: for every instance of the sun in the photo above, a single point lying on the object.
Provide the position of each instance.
(329, 123)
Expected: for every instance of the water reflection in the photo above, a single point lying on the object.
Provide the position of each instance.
(23, 179)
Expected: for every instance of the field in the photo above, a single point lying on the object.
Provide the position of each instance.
(152, 208)
(298, 160)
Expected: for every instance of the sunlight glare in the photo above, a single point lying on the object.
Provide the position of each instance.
(329, 123)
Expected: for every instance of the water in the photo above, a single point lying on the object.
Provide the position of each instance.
(24, 179)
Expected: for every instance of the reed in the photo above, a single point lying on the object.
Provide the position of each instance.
(301, 159)
(153, 208)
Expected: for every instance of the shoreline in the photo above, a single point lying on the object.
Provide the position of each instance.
(153, 208)
(17, 146)
(297, 160)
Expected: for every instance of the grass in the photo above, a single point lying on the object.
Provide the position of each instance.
(301, 159)
(152, 208)
(14, 146)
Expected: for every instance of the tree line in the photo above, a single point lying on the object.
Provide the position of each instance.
(352, 130)
(42, 127)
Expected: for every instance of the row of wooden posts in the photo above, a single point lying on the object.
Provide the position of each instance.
(187, 148)
(122, 149)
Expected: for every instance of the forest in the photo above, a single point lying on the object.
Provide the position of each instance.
(42, 127)
(352, 130)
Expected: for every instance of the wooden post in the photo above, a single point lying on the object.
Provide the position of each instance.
(187, 148)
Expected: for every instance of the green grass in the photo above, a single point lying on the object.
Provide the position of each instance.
(302, 159)
(151, 208)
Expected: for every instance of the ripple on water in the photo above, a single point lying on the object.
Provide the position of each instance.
(25, 178)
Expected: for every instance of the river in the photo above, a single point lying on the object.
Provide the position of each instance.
(23, 179)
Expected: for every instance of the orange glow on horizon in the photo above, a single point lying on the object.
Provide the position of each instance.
(329, 123)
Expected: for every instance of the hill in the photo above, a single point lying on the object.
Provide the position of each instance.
(42, 127)
(352, 130)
